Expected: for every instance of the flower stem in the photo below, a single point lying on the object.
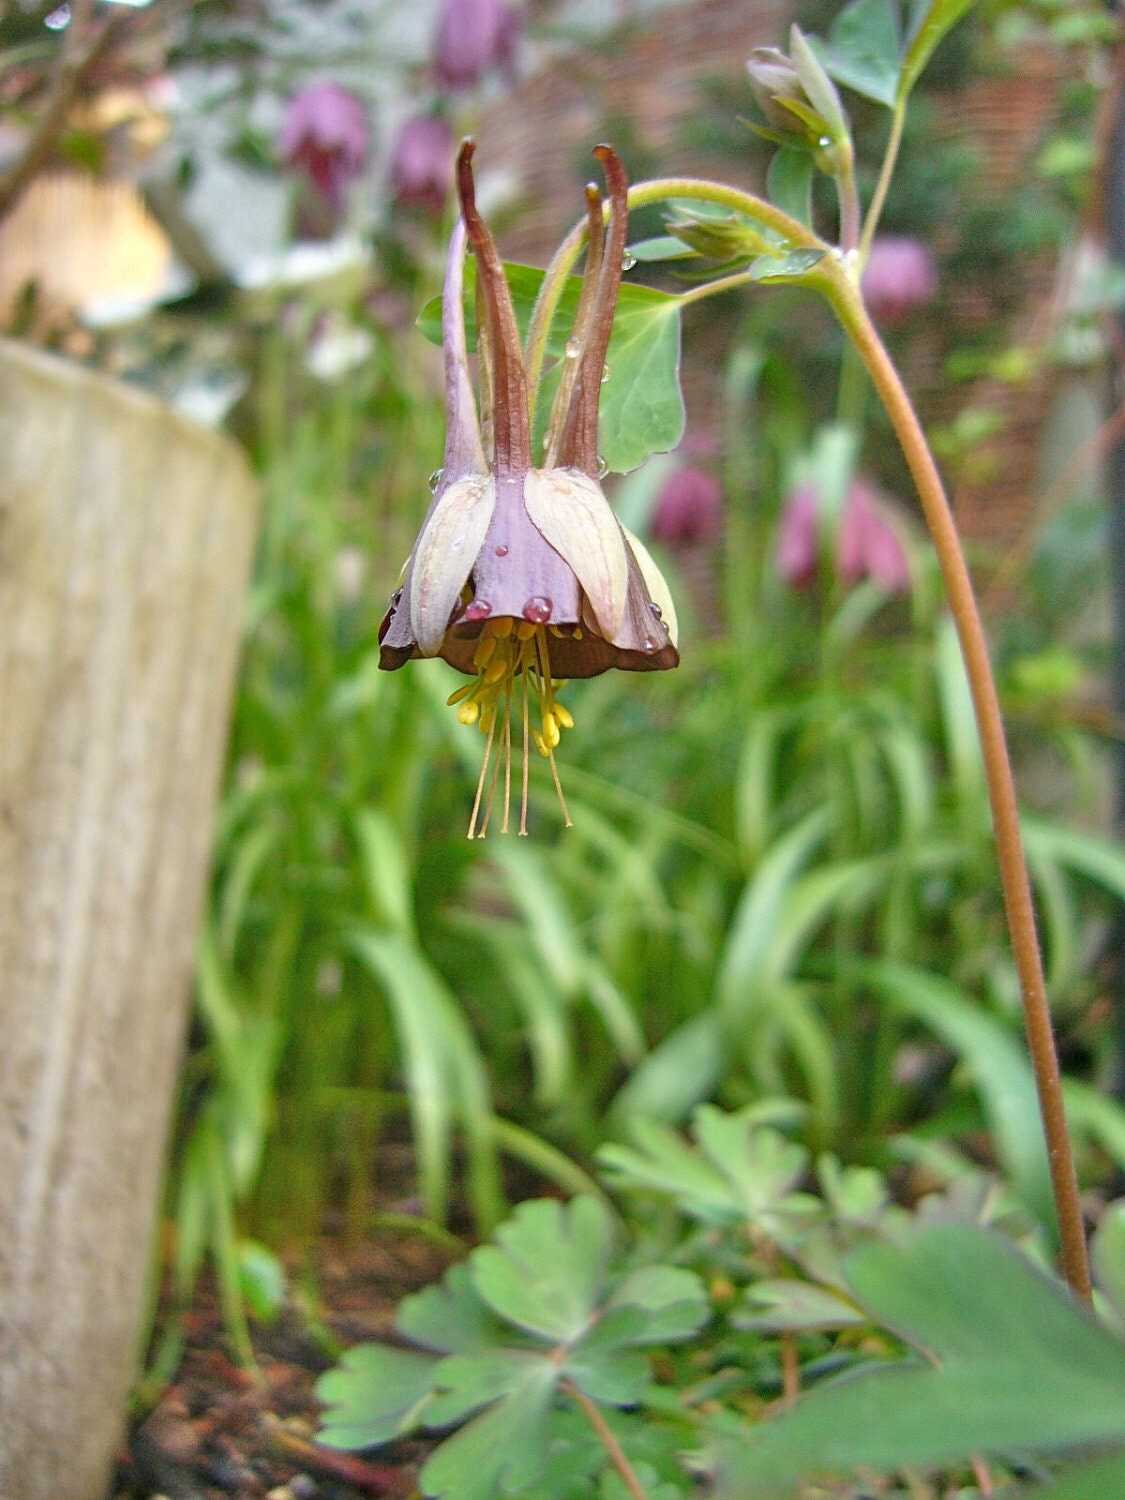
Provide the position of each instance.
(886, 172)
(617, 1456)
(844, 296)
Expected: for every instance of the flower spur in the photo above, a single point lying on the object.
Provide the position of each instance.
(522, 576)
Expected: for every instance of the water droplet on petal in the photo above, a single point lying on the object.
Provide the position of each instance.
(824, 142)
(573, 348)
(435, 479)
(603, 467)
(395, 597)
(628, 261)
(650, 643)
(605, 374)
(657, 611)
(479, 609)
(501, 551)
(537, 610)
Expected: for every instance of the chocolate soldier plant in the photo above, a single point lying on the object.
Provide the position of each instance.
(522, 576)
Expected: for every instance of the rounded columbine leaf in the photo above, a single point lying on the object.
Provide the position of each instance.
(444, 556)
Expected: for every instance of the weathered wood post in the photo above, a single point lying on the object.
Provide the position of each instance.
(126, 536)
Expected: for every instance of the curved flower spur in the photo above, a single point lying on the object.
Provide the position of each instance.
(522, 576)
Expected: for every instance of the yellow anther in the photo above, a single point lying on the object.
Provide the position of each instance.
(497, 669)
(500, 627)
(550, 730)
(484, 650)
(540, 743)
(461, 692)
(525, 629)
(563, 716)
(469, 712)
(577, 633)
(487, 718)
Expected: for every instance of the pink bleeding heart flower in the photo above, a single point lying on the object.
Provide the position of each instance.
(798, 540)
(867, 544)
(325, 138)
(689, 508)
(473, 37)
(899, 278)
(421, 165)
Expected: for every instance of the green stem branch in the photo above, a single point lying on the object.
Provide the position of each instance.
(1018, 901)
(886, 172)
(617, 1455)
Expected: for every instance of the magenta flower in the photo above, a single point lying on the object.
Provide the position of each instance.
(474, 36)
(689, 508)
(899, 278)
(325, 137)
(798, 540)
(867, 544)
(421, 165)
(521, 574)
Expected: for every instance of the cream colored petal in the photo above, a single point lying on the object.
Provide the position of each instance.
(655, 582)
(571, 511)
(444, 556)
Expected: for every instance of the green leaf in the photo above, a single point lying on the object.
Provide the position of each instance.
(1015, 1363)
(817, 85)
(773, 1306)
(679, 1071)
(463, 1383)
(864, 49)
(641, 408)
(450, 1317)
(673, 1301)
(547, 1269)
(789, 183)
(930, 20)
(997, 1063)
(1107, 1255)
(375, 1394)
(1090, 1481)
(661, 247)
(792, 267)
(503, 1450)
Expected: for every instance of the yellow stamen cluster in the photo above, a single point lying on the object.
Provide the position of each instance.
(513, 666)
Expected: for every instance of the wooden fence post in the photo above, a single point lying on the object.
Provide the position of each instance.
(126, 539)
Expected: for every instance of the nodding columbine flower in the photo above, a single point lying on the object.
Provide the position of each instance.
(522, 576)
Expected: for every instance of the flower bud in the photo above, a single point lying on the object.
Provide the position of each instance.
(689, 508)
(421, 165)
(899, 278)
(474, 36)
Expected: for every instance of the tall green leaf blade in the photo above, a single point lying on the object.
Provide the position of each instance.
(996, 1062)
(1020, 1365)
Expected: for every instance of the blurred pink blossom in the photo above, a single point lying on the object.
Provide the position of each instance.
(325, 137)
(474, 36)
(867, 544)
(689, 508)
(797, 538)
(421, 166)
(899, 278)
